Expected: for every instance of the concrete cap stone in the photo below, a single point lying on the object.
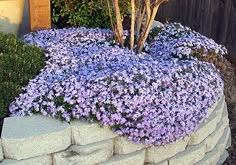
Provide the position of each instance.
(40, 160)
(32, 136)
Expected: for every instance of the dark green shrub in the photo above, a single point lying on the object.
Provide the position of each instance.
(93, 13)
(18, 64)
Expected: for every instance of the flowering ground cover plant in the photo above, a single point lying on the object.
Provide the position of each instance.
(154, 97)
(181, 42)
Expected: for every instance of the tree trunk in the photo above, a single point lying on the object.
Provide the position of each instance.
(119, 26)
(132, 24)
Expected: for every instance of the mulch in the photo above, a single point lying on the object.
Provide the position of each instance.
(231, 160)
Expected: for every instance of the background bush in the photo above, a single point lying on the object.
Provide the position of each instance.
(86, 13)
(18, 64)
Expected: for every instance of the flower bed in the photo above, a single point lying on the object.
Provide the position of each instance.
(43, 140)
(152, 98)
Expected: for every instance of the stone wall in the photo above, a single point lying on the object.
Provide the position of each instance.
(42, 140)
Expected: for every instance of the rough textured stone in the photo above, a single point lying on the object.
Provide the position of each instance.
(123, 146)
(191, 155)
(27, 137)
(229, 142)
(1, 153)
(226, 121)
(210, 158)
(212, 140)
(208, 127)
(223, 158)
(158, 154)
(157, 24)
(161, 163)
(135, 158)
(219, 110)
(225, 117)
(220, 101)
(82, 130)
(83, 155)
(224, 140)
(40, 160)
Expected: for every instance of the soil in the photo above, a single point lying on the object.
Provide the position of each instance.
(231, 160)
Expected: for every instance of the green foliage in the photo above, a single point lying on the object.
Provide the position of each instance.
(93, 13)
(18, 64)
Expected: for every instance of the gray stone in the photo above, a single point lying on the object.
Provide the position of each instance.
(191, 155)
(83, 155)
(223, 158)
(158, 154)
(210, 157)
(224, 140)
(212, 140)
(85, 133)
(229, 142)
(208, 127)
(1, 153)
(157, 24)
(161, 163)
(135, 158)
(123, 146)
(220, 101)
(27, 137)
(40, 160)
(225, 117)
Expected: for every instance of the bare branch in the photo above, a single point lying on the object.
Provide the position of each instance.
(143, 38)
(159, 2)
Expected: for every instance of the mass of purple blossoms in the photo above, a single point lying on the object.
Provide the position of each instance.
(179, 41)
(147, 97)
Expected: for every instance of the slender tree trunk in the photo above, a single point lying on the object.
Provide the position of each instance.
(132, 24)
(110, 15)
(139, 22)
(143, 13)
(148, 10)
(119, 26)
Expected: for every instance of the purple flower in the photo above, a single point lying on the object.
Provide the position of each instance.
(152, 98)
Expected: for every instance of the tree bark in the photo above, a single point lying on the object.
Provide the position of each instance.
(132, 24)
(119, 26)
(148, 10)
(144, 36)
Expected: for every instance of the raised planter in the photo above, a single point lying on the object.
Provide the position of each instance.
(43, 140)
(11, 14)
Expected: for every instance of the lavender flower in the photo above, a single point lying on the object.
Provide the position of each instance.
(152, 98)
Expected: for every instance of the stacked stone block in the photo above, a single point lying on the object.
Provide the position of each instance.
(42, 140)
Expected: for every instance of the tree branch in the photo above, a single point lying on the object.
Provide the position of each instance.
(143, 38)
